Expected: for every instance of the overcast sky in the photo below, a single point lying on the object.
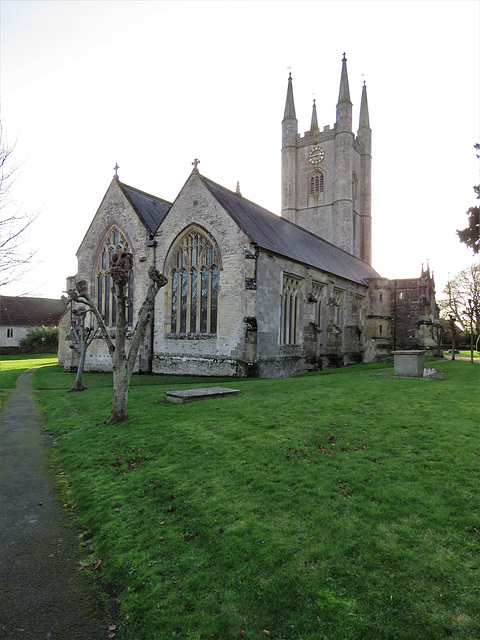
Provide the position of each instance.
(153, 85)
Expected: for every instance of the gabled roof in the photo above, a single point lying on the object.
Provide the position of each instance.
(280, 236)
(30, 312)
(150, 209)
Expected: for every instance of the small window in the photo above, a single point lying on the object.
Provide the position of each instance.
(9, 333)
(317, 292)
(338, 306)
(381, 297)
(317, 183)
(380, 329)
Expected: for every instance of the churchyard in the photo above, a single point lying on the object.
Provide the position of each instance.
(330, 505)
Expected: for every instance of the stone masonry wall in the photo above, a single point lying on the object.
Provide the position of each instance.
(115, 210)
(191, 354)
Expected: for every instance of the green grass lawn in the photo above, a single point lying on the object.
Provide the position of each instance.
(468, 354)
(11, 367)
(333, 504)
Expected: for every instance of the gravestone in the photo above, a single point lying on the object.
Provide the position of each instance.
(409, 364)
(190, 395)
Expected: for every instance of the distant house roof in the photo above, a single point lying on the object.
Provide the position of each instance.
(150, 209)
(280, 236)
(30, 312)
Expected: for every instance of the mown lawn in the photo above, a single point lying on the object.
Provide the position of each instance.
(11, 367)
(334, 504)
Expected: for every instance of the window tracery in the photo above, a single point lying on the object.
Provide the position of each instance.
(318, 291)
(113, 242)
(195, 284)
(338, 306)
(316, 182)
(290, 310)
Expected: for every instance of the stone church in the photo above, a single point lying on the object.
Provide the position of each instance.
(251, 293)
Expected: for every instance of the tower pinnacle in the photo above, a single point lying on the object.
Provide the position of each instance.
(344, 93)
(364, 119)
(314, 124)
(289, 104)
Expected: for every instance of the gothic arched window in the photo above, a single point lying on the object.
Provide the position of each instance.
(316, 183)
(195, 281)
(114, 241)
(289, 312)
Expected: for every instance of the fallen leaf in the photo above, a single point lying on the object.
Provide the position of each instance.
(267, 632)
(112, 627)
(161, 538)
(242, 633)
(97, 564)
(162, 522)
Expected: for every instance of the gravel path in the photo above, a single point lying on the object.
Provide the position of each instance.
(42, 593)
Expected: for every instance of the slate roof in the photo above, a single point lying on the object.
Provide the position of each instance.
(30, 312)
(280, 236)
(150, 209)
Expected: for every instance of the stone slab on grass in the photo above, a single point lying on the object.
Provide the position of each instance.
(190, 395)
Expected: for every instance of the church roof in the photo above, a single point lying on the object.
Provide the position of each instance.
(30, 312)
(150, 209)
(280, 236)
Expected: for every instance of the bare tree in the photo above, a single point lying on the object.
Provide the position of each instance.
(123, 361)
(14, 259)
(82, 335)
(462, 299)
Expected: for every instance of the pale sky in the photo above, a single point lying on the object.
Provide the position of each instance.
(153, 85)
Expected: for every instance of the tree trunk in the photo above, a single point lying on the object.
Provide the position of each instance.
(78, 385)
(121, 381)
(121, 373)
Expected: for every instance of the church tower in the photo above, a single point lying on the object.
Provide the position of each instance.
(326, 175)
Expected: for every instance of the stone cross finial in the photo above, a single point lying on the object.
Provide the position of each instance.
(237, 190)
(116, 168)
(195, 164)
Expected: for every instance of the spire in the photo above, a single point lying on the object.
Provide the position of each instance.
(425, 272)
(314, 125)
(237, 190)
(289, 104)
(364, 119)
(344, 93)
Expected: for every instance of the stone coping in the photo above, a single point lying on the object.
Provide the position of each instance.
(190, 395)
(413, 352)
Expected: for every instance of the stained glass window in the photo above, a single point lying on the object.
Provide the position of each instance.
(114, 241)
(195, 285)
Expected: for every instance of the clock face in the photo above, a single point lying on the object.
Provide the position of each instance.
(317, 154)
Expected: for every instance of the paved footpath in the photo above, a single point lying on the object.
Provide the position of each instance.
(42, 593)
